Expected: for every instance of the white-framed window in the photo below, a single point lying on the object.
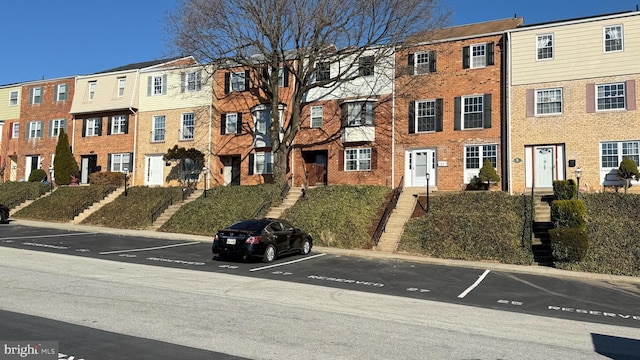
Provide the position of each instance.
(359, 113)
(158, 128)
(263, 163)
(56, 125)
(192, 81)
(316, 116)
(358, 159)
(425, 120)
(612, 37)
(122, 83)
(281, 79)
(92, 89)
(323, 71)
(93, 127)
(473, 111)
(366, 66)
(119, 124)
(238, 81)
(231, 123)
(61, 92)
(15, 131)
(549, 101)
(157, 85)
(14, 98)
(610, 96)
(36, 95)
(475, 155)
(188, 126)
(612, 153)
(35, 130)
(478, 55)
(544, 46)
(422, 61)
(120, 162)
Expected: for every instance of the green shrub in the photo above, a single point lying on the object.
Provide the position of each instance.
(64, 164)
(107, 178)
(62, 203)
(564, 189)
(38, 175)
(568, 214)
(488, 173)
(569, 244)
(628, 171)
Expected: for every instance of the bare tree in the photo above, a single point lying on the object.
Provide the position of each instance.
(299, 36)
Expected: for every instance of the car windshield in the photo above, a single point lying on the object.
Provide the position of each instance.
(252, 225)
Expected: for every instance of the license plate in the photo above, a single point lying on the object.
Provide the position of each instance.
(231, 241)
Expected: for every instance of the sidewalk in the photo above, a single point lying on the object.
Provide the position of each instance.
(493, 266)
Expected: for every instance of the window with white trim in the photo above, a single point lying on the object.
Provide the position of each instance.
(92, 89)
(612, 153)
(238, 81)
(478, 55)
(323, 71)
(475, 155)
(231, 123)
(422, 61)
(187, 126)
(610, 96)
(36, 95)
(158, 128)
(192, 81)
(122, 82)
(56, 125)
(549, 101)
(425, 116)
(120, 162)
(357, 159)
(93, 127)
(13, 98)
(118, 124)
(15, 131)
(35, 130)
(157, 85)
(544, 46)
(316, 116)
(263, 163)
(473, 111)
(61, 92)
(612, 37)
(366, 66)
(359, 113)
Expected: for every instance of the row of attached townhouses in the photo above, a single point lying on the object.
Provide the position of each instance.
(538, 101)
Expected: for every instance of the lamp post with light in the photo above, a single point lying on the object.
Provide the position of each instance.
(428, 176)
(51, 177)
(578, 175)
(204, 173)
(126, 180)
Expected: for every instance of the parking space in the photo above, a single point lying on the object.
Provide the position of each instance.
(539, 295)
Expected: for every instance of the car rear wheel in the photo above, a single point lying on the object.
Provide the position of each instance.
(3, 216)
(269, 254)
(306, 247)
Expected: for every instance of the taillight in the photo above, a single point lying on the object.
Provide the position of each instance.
(252, 240)
(216, 238)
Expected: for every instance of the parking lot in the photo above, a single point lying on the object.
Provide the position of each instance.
(561, 297)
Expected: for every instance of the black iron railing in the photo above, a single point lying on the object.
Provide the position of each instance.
(391, 205)
(267, 204)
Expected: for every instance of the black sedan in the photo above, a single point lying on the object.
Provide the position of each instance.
(4, 213)
(261, 238)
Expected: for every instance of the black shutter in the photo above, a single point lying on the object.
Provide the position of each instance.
(84, 127)
(465, 57)
(490, 57)
(110, 122)
(99, 122)
(343, 115)
(438, 115)
(126, 124)
(239, 124)
(227, 83)
(456, 113)
(412, 117)
(486, 105)
(432, 61)
(246, 80)
(285, 76)
(130, 164)
(108, 162)
(223, 124)
(251, 162)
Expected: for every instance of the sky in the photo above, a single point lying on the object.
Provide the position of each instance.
(47, 39)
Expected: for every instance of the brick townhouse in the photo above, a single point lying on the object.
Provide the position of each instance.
(572, 100)
(449, 112)
(10, 105)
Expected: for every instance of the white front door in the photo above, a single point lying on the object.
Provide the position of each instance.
(543, 167)
(417, 164)
(153, 170)
(84, 170)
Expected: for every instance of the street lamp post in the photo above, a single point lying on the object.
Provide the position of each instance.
(204, 173)
(578, 175)
(126, 180)
(51, 177)
(428, 177)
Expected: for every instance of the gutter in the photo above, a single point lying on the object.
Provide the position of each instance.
(135, 129)
(508, 114)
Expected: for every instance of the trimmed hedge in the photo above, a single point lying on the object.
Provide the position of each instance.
(107, 178)
(38, 175)
(564, 189)
(569, 244)
(568, 214)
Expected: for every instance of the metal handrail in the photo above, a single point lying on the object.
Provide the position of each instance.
(391, 205)
(267, 203)
(160, 208)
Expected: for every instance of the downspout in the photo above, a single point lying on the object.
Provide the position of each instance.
(393, 121)
(208, 181)
(508, 113)
(135, 129)
(73, 121)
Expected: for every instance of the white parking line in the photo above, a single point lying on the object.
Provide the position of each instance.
(287, 263)
(147, 249)
(44, 236)
(464, 293)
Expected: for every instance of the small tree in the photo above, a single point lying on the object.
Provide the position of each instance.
(628, 171)
(189, 163)
(64, 164)
(488, 173)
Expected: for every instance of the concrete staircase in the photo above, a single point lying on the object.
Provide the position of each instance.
(172, 209)
(540, 240)
(399, 217)
(27, 203)
(96, 206)
(292, 197)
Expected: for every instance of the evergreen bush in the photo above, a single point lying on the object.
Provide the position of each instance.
(569, 244)
(569, 214)
(564, 189)
(64, 164)
(38, 175)
(488, 174)
(628, 171)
